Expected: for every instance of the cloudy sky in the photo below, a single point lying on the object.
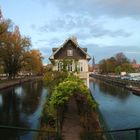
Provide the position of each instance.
(105, 27)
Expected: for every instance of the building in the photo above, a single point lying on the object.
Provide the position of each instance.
(135, 65)
(96, 68)
(71, 57)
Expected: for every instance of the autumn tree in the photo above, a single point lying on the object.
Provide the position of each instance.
(103, 66)
(12, 47)
(116, 64)
(4, 25)
(34, 63)
(121, 58)
(111, 63)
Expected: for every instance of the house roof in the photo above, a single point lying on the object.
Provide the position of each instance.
(73, 39)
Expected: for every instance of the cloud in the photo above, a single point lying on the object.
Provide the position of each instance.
(43, 3)
(99, 32)
(81, 26)
(33, 26)
(110, 22)
(133, 52)
(113, 8)
(103, 51)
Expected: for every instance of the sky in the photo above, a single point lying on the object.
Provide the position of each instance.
(104, 27)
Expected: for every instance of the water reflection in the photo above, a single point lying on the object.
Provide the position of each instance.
(119, 107)
(19, 92)
(1, 100)
(18, 106)
(32, 97)
(113, 90)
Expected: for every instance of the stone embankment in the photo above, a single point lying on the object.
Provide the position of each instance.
(9, 83)
(130, 85)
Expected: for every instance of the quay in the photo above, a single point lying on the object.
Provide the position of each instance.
(133, 86)
(135, 90)
(9, 83)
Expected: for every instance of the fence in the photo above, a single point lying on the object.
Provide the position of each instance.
(124, 134)
(19, 133)
(8, 133)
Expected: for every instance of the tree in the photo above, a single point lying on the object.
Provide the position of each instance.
(13, 47)
(127, 67)
(111, 64)
(116, 64)
(102, 66)
(4, 25)
(118, 70)
(12, 51)
(34, 63)
(121, 58)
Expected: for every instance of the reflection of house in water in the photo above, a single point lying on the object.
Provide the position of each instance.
(1, 100)
(71, 57)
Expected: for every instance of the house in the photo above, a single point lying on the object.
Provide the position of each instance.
(71, 57)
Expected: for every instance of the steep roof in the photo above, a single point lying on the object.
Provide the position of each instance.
(74, 40)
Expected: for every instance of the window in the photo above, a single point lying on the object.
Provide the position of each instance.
(81, 66)
(69, 67)
(69, 52)
(59, 66)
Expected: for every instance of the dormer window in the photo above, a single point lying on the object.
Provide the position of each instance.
(69, 52)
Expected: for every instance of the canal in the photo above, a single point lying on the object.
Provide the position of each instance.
(21, 106)
(119, 108)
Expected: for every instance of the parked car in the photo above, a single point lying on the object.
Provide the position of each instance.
(125, 77)
(135, 78)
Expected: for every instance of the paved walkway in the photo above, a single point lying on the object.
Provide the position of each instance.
(71, 126)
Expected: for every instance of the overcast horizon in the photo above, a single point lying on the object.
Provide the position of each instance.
(104, 27)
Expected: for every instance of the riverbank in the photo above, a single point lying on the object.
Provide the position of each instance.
(133, 86)
(9, 83)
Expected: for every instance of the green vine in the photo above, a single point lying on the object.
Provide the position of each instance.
(69, 87)
(62, 86)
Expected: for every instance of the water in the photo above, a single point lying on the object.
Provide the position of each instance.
(21, 106)
(119, 107)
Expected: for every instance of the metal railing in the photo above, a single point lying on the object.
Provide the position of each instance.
(3, 128)
(135, 131)
(16, 133)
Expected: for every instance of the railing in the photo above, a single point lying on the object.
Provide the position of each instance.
(135, 131)
(136, 135)
(17, 133)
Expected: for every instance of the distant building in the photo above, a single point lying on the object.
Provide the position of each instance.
(93, 61)
(135, 65)
(96, 68)
(71, 57)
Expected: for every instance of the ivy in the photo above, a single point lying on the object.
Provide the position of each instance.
(53, 78)
(71, 86)
(63, 86)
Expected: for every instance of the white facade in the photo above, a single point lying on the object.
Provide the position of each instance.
(73, 59)
(79, 66)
